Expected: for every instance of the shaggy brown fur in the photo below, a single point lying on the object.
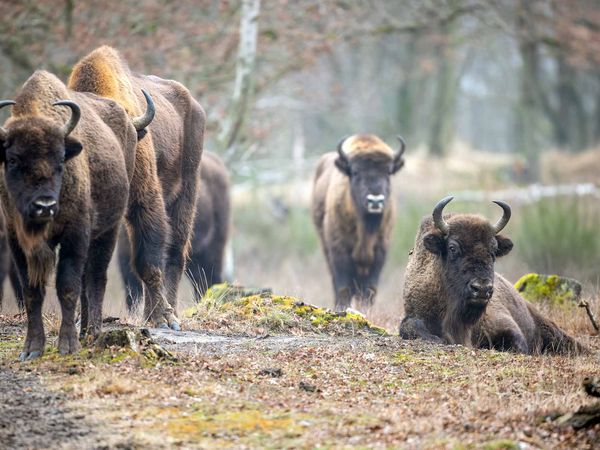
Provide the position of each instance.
(163, 191)
(91, 188)
(354, 241)
(211, 230)
(438, 307)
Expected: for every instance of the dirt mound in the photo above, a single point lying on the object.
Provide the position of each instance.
(235, 309)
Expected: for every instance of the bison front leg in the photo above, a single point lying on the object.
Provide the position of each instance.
(34, 299)
(72, 258)
(414, 328)
(343, 285)
(101, 250)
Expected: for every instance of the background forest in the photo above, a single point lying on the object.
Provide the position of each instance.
(495, 100)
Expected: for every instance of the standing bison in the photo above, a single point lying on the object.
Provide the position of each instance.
(211, 229)
(57, 196)
(453, 295)
(353, 212)
(163, 191)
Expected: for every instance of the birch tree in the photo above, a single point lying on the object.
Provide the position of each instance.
(244, 79)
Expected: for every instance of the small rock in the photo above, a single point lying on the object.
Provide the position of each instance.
(271, 372)
(308, 387)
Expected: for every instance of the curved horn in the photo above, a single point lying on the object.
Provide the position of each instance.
(438, 220)
(340, 150)
(402, 147)
(505, 216)
(4, 103)
(144, 120)
(75, 116)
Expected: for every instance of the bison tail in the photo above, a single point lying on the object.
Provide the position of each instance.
(554, 340)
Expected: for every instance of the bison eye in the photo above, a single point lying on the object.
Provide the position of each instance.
(12, 162)
(453, 250)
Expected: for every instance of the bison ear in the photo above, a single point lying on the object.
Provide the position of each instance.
(343, 165)
(72, 147)
(434, 242)
(141, 133)
(505, 245)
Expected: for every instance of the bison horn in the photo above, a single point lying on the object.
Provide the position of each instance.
(340, 149)
(144, 120)
(438, 220)
(75, 116)
(4, 103)
(402, 147)
(505, 217)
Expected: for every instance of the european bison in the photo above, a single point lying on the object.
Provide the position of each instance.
(57, 196)
(163, 191)
(211, 229)
(353, 212)
(452, 294)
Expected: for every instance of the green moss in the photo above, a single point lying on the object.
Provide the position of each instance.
(500, 444)
(551, 289)
(277, 313)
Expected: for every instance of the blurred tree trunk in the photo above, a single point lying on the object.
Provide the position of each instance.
(570, 122)
(442, 114)
(244, 82)
(529, 112)
(406, 92)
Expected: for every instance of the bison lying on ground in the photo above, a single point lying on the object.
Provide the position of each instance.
(163, 191)
(353, 212)
(211, 229)
(453, 295)
(56, 196)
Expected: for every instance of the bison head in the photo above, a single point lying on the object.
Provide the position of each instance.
(468, 246)
(369, 173)
(34, 151)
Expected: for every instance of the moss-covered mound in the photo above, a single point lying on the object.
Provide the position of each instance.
(551, 289)
(258, 311)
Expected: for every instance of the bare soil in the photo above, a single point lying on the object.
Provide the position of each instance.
(307, 391)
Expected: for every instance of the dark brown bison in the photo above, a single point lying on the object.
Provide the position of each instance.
(57, 196)
(163, 191)
(452, 294)
(353, 212)
(211, 230)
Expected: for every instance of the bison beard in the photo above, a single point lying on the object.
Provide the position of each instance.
(55, 196)
(452, 294)
(163, 190)
(211, 228)
(353, 214)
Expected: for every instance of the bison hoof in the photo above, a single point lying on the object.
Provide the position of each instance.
(28, 356)
(175, 326)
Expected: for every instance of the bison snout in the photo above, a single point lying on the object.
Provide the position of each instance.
(43, 208)
(481, 289)
(375, 203)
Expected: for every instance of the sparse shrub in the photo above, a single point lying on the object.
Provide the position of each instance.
(560, 236)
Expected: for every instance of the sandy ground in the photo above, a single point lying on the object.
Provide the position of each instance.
(285, 391)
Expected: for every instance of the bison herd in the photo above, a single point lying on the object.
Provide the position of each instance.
(115, 152)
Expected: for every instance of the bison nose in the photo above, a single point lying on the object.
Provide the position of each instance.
(481, 289)
(375, 203)
(43, 208)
